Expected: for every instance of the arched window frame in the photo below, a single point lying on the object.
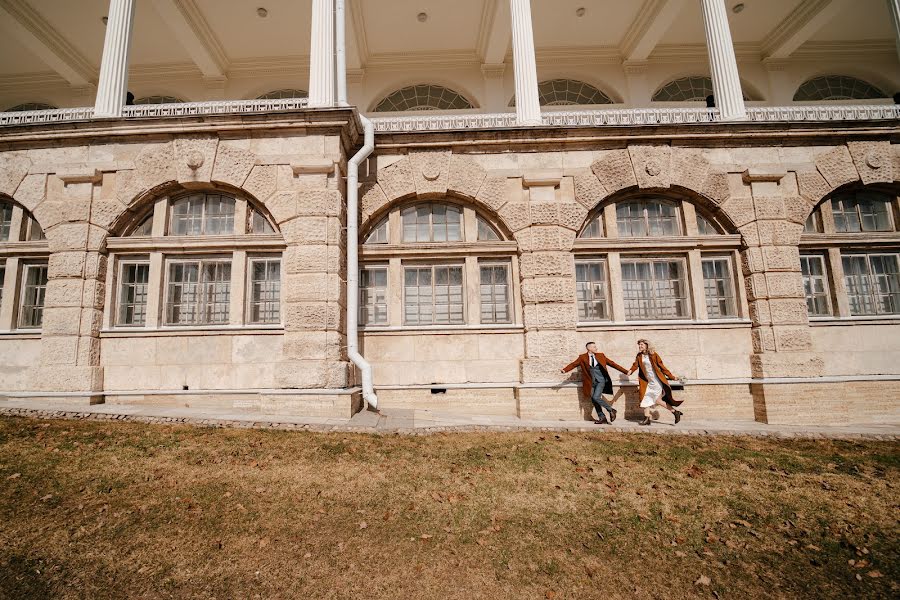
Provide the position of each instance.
(158, 99)
(691, 88)
(702, 268)
(161, 279)
(831, 88)
(24, 257)
(423, 97)
(849, 273)
(281, 94)
(31, 106)
(393, 272)
(568, 92)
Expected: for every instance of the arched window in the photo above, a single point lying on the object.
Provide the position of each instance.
(24, 257)
(31, 106)
(159, 100)
(836, 87)
(568, 92)
(447, 265)
(695, 88)
(867, 260)
(194, 282)
(282, 94)
(653, 255)
(423, 97)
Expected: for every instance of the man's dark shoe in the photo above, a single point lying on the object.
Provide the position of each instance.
(612, 415)
(678, 414)
(645, 422)
(599, 421)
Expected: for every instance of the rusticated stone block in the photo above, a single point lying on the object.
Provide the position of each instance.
(689, 168)
(96, 238)
(62, 321)
(550, 343)
(154, 166)
(787, 364)
(319, 202)
(873, 161)
(91, 322)
(652, 165)
(371, 199)
(572, 215)
(195, 156)
(589, 191)
(431, 172)
(283, 206)
(492, 192)
(466, 176)
(516, 215)
(756, 287)
(314, 316)
(300, 287)
(781, 258)
(812, 186)
(614, 170)
(307, 345)
(54, 212)
(92, 295)
(788, 311)
(784, 285)
(13, 168)
(61, 350)
(233, 164)
(739, 210)
(548, 290)
(760, 312)
(837, 167)
(763, 339)
(106, 211)
(312, 258)
(299, 374)
(32, 191)
(752, 260)
(337, 374)
(715, 187)
(397, 180)
(542, 213)
(63, 292)
(749, 233)
(66, 264)
(792, 339)
(61, 378)
(305, 230)
(768, 207)
(68, 236)
(535, 370)
(95, 265)
(543, 264)
(554, 316)
(537, 238)
(797, 209)
(261, 181)
(781, 233)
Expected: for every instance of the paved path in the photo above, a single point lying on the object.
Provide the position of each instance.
(420, 422)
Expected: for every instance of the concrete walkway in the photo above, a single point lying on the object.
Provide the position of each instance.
(421, 422)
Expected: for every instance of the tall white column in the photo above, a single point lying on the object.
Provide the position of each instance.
(321, 55)
(113, 84)
(894, 5)
(528, 107)
(722, 62)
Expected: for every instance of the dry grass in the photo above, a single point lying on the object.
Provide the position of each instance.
(94, 510)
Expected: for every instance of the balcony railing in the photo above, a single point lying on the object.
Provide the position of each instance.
(427, 122)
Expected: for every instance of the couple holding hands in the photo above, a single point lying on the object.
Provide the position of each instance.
(653, 379)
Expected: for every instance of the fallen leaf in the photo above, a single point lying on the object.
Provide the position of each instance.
(47, 497)
(703, 580)
(694, 471)
(874, 574)
(363, 525)
(14, 476)
(426, 536)
(743, 523)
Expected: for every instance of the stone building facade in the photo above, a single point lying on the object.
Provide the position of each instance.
(202, 261)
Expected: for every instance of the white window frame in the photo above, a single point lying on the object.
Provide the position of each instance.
(204, 215)
(20, 318)
(603, 263)
(364, 305)
(809, 281)
(251, 302)
(490, 264)
(120, 282)
(431, 223)
(872, 282)
(884, 199)
(201, 261)
(645, 217)
(463, 293)
(729, 285)
(653, 298)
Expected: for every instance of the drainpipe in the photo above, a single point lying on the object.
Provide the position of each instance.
(365, 368)
(340, 52)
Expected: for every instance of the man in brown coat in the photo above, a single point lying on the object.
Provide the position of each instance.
(595, 379)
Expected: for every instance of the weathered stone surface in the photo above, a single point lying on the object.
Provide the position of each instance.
(760, 312)
(749, 233)
(53, 212)
(837, 167)
(195, 156)
(91, 322)
(540, 237)
(307, 345)
(466, 176)
(788, 311)
(311, 316)
(66, 264)
(779, 233)
(781, 258)
(614, 170)
(63, 292)
(96, 238)
(552, 316)
(62, 321)
(311, 287)
(261, 181)
(312, 258)
(154, 166)
(320, 202)
(536, 370)
(756, 287)
(572, 215)
(784, 285)
(752, 260)
(397, 180)
(873, 161)
(739, 210)
(797, 209)
(787, 364)
(792, 339)
(95, 265)
(283, 206)
(233, 164)
(547, 289)
(32, 191)
(105, 212)
(689, 168)
(715, 187)
(516, 215)
(763, 339)
(306, 230)
(652, 165)
(768, 207)
(68, 236)
(61, 378)
(93, 294)
(812, 186)
(492, 192)
(301, 374)
(542, 213)
(543, 264)
(13, 168)
(61, 350)
(431, 172)
(550, 343)
(372, 199)
(589, 191)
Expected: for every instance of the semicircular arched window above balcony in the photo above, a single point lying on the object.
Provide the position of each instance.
(836, 87)
(31, 106)
(284, 93)
(694, 88)
(423, 97)
(568, 92)
(158, 100)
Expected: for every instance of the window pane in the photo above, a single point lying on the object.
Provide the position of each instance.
(858, 284)
(641, 218)
(34, 288)
(200, 214)
(133, 294)
(6, 211)
(2, 279)
(373, 294)
(494, 294)
(718, 288)
(486, 233)
(258, 223)
(862, 211)
(379, 235)
(704, 227)
(886, 283)
(199, 293)
(654, 289)
(594, 228)
(815, 285)
(438, 303)
(591, 290)
(265, 290)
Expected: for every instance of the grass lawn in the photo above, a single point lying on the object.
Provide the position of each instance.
(120, 510)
